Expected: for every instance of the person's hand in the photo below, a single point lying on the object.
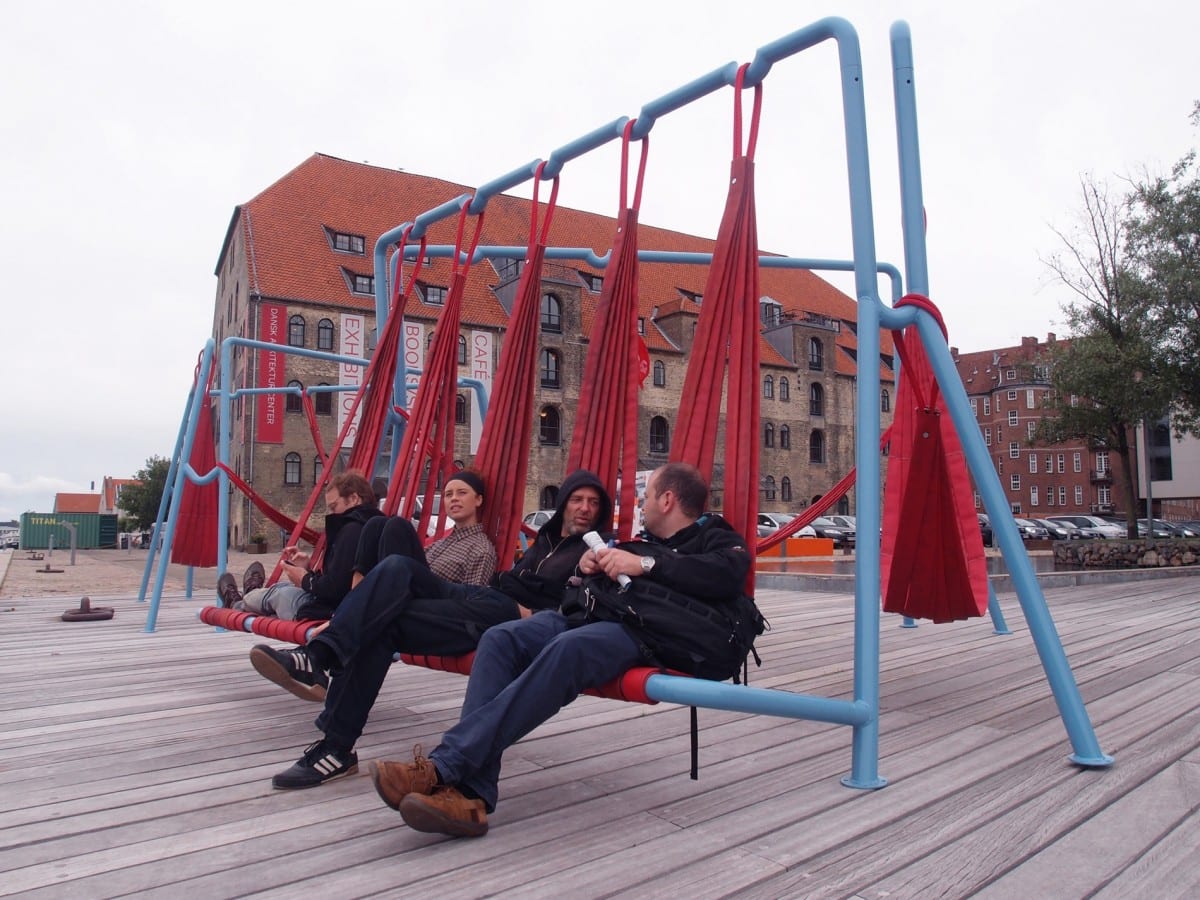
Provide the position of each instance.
(318, 629)
(295, 574)
(296, 556)
(589, 563)
(613, 562)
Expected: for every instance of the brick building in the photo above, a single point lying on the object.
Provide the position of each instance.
(1007, 388)
(295, 268)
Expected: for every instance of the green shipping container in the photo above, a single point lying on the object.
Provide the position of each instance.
(92, 530)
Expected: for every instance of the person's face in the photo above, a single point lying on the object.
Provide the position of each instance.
(652, 514)
(582, 511)
(462, 503)
(336, 503)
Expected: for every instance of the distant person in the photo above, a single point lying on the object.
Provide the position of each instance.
(402, 606)
(309, 593)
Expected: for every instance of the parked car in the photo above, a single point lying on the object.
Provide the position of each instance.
(11, 540)
(1092, 526)
(1161, 530)
(985, 530)
(538, 518)
(1179, 529)
(847, 522)
(1059, 531)
(1031, 530)
(841, 537)
(769, 523)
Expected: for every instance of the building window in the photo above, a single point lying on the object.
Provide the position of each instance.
(660, 435)
(785, 489)
(549, 496)
(508, 268)
(1033, 495)
(435, 295)
(349, 243)
(816, 400)
(291, 468)
(1012, 395)
(594, 282)
(1014, 481)
(785, 438)
(785, 390)
(816, 446)
(885, 401)
(1050, 496)
(975, 408)
(462, 350)
(296, 331)
(551, 314)
(318, 468)
(1030, 428)
(1012, 418)
(660, 373)
(549, 427)
(1062, 494)
(549, 362)
(363, 284)
(641, 324)
(1078, 495)
(325, 335)
(987, 436)
(768, 435)
(1049, 464)
(1104, 495)
(1077, 462)
(292, 401)
(1014, 450)
(1062, 463)
(770, 312)
(769, 487)
(1012, 375)
(816, 355)
(1032, 463)
(1102, 461)
(1030, 403)
(323, 401)
(769, 388)
(460, 409)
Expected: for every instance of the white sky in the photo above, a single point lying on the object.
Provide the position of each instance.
(132, 129)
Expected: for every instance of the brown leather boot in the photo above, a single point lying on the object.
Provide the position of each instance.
(445, 811)
(396, 780)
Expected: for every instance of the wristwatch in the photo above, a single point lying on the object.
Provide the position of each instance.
(647, 564)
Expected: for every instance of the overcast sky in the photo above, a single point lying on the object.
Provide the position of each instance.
(132, 129)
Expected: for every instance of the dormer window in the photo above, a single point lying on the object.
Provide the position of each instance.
(641, 324)
(362, 284)
(434, 294)
(348, 243)
(771, 311)
(594, 282)
(692, 295)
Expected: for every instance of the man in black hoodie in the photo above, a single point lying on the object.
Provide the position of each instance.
(526, 671)
(401, 606)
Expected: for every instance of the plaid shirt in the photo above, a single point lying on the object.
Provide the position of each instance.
(464, 555)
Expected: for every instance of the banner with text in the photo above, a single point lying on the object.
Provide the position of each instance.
(351, 343)
(481, 370)
(272, 325)
(414, 358)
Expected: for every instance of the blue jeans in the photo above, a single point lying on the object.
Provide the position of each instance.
(524, 672)
(399, 606)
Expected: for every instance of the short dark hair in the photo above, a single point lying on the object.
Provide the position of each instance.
(352, 482)
(686, 483)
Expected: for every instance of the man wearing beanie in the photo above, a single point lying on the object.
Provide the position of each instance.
(402, 606)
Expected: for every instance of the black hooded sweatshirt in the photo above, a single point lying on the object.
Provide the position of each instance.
(538, 580)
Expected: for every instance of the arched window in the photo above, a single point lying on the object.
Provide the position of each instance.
(785, 489)
(768, 435)
(816, 446)
(291, 468)
(660, 435)
(785, 390)
(769, 487)
(551, 314)
(550, 496)
(660, 373)
(325, 334)
(462, 350)
(785, 438)
(293, 403)
(816, 400)
(769, 388)
(816, 355)
(843, 506)
(429, 339)
(549, 427)
(318, 468)
(460, 409)
(296, 331)
(885, 401)
(323, 401)
(549, 361)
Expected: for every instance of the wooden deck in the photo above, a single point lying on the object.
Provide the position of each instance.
(135, 763)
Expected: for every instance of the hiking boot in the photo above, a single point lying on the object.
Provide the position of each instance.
(396, 780)
(445, 811)
(227, 590)
(254, 577)
(292, 669)
(320, 763)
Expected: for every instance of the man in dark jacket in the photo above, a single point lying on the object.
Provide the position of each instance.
(525, 671)
(401, 606)
(315, 594)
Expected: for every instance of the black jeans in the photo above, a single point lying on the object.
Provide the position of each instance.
(399, 606)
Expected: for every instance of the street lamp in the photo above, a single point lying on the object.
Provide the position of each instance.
(1137, 377)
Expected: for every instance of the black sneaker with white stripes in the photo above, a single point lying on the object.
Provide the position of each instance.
(292, 669)
(320, 763)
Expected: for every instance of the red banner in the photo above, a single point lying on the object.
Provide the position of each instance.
(272, 325)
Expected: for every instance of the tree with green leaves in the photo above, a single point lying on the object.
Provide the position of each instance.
(1110, 374)
(142, 499)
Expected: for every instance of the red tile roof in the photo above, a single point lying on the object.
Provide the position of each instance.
(291, 258)
(77, 503)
